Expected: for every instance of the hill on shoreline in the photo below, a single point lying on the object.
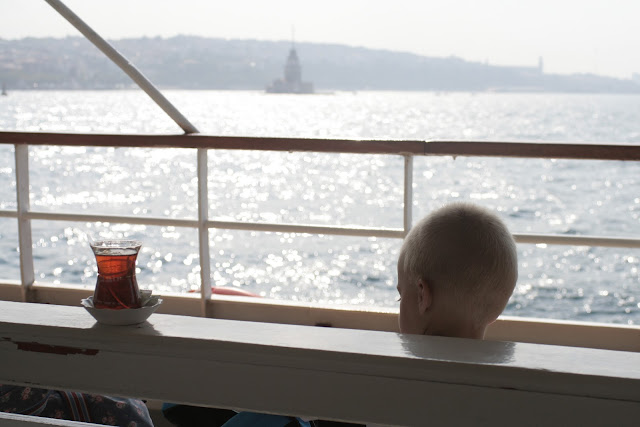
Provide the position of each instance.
(189, 62)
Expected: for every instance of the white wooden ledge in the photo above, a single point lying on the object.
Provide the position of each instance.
(16, 420)
(328, 373)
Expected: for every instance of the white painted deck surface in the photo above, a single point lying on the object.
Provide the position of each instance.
(328, 373)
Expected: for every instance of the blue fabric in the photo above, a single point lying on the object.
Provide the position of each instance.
(167, 405)
(247, 419)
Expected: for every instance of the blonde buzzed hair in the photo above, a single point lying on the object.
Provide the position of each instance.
(467, 255)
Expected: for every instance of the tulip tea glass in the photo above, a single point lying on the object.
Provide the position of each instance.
(116, 287)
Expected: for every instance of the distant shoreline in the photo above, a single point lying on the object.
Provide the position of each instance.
(198, 63)
(330, 92)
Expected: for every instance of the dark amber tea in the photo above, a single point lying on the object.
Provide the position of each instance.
(116, 287)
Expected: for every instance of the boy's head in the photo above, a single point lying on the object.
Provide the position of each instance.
(456, 271)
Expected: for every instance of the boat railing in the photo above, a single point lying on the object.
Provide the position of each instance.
(21, 142)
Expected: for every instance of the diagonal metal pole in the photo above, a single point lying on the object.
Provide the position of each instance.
(154, 93)
(124, 65)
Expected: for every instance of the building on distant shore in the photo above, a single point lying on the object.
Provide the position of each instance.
(292, 82)
(540, 65)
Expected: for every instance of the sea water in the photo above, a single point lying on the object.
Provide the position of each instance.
(531, 195)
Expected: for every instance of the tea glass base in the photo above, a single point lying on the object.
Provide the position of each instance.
(127, 316)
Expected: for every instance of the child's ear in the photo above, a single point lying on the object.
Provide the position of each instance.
(425, 296)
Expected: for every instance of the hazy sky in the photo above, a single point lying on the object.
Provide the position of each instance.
(592, 36)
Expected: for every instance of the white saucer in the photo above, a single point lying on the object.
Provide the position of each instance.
(126, 316)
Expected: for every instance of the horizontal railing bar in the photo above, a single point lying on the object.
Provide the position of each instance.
(540, 150)
(432, 148)
(309, 229)
(8, 214)
(394, 233)
(231, 225)
(557, 239)
(215, 142)
(138, 220)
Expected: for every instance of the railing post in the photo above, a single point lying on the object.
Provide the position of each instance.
(25, 245)
(203, 230)
(408, 192)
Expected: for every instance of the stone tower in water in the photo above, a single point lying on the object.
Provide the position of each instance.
(292, 82)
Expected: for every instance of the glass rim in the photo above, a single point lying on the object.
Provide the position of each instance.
(116, 243)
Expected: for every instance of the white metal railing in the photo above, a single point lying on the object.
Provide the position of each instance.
(25, 215)
(25, 245)
(405, 148)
